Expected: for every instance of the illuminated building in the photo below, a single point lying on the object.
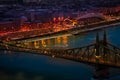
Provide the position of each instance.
(9, 26)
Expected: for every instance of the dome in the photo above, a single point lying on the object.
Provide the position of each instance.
(89, 15)
(23, 18)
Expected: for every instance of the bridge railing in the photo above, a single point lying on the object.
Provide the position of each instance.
(83, 54)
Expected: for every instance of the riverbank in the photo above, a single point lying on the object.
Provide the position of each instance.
(73, 31)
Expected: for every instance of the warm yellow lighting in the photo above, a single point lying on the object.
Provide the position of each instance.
(43, 43)
(97, 57)
(65, 40)
(36, 45)
(58, 40)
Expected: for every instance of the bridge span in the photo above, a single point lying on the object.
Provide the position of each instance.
(101, 52)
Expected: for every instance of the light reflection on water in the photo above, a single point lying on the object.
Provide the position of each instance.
(75, 40)
(48, 43)
(59, 42)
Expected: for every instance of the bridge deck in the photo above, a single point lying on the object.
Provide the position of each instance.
(85, 54)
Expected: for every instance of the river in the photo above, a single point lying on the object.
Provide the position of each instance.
(26, 66)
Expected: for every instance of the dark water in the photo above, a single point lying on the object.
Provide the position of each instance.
(25, 66)
(47, 68)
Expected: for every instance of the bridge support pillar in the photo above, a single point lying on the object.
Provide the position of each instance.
(101, 73)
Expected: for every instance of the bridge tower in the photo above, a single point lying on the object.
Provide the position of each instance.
(104, 43)
(97, 46)
(101, 72)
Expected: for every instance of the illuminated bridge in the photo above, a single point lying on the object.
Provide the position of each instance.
(101, 52)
